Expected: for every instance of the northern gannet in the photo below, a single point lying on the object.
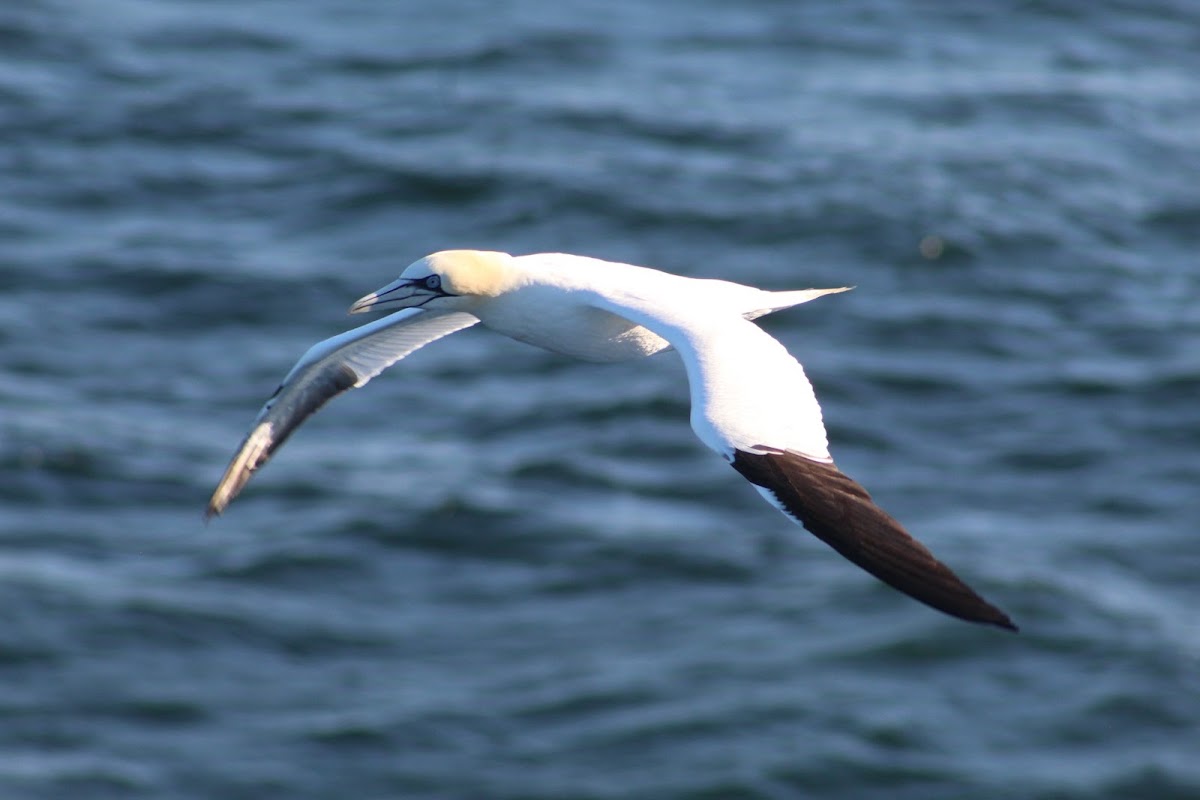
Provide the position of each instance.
(750, 399)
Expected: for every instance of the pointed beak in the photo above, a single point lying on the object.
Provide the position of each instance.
(397, 294)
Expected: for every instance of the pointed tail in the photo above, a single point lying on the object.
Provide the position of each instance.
(777, 301)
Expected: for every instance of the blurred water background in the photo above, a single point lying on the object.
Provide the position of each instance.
(497, 573)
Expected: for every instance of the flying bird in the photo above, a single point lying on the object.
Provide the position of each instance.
(750, 400)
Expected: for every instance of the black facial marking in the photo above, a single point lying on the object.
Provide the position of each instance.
(428, 299)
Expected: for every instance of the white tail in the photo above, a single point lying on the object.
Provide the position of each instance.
(782, 300)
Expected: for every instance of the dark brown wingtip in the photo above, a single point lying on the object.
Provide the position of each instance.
(994, 616)
(840, 512)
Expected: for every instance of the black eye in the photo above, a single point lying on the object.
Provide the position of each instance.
(433, 282)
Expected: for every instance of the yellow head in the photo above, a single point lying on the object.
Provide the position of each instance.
(447, 280)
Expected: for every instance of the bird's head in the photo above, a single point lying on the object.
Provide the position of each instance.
(452, 280)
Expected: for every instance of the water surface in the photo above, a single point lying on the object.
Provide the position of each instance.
(499, 573)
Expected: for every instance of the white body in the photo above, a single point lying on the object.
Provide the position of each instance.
(747, 390)
(555, 307)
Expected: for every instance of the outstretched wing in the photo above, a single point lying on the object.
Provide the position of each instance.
(753, 404)
(328, 369)
(838, 511)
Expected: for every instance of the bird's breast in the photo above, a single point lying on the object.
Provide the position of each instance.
(579, 331)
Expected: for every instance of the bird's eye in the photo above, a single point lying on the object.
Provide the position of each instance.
(433, 282)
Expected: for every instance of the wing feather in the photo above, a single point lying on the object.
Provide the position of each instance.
(839, 511)
(328, 369)
(753, 404)
(746, 388)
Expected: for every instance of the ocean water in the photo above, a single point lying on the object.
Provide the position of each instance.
(498, 573)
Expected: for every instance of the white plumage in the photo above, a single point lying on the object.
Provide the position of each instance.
(751, 401)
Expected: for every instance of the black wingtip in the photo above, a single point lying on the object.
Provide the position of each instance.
(1005, 623)
(968, 605)
(840, 512)
(969, 608)
(987, 614)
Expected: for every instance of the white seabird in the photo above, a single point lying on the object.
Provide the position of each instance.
(751, 401)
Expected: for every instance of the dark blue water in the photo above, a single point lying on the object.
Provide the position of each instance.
(496, 573)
